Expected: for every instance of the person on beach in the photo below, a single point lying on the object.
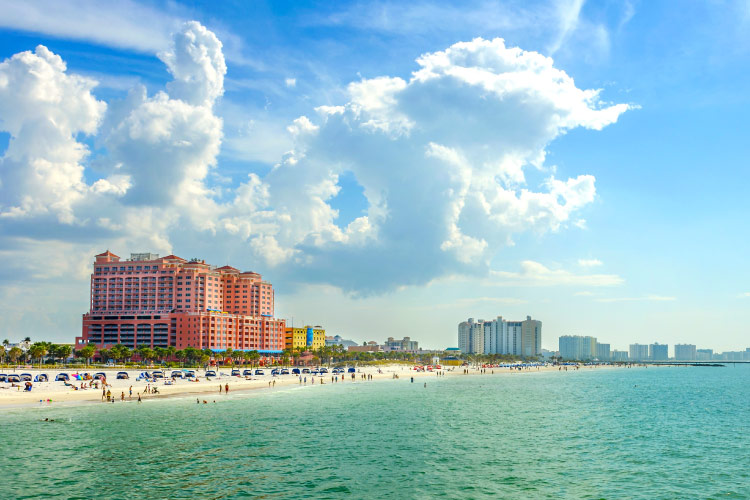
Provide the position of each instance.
(104, 393)
(197, 400)
(220, 388)
(274, 383)
(139, 397)
(130, 395)
(109, 395)
(226, 388)
(122, 396)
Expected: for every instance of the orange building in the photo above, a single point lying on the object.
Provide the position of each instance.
(169, 301)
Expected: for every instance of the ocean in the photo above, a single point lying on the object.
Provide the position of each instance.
(678, 432)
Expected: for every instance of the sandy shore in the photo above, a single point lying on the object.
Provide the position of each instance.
(57, 393)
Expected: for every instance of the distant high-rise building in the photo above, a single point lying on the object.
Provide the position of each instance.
(684, 352)
(638, 352)
(704, 354)
(658, 352)
(499, 336)
(602, 352)
(619, 355)
(576, 347)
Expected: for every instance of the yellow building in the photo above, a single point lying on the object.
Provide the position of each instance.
(309, 337)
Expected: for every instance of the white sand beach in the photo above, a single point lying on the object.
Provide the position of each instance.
(56, 392)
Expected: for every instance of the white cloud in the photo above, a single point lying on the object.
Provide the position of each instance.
(590, 262)
(44, 108)
(743, 295)
(290, 82)
(124, 24)
(646, 298)
(536, 274)
(440, 158)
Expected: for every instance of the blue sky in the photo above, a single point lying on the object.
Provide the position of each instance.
(392, 168)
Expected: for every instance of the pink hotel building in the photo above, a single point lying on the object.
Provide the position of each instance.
(169, 301)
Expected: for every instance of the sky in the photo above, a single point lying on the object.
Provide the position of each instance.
(393, 168)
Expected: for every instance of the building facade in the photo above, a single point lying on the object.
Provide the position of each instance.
(307, 337)
(155, 301)
(658, 352)
(577, 347)
(619, 356)
(405, 345)
(685, 352)
(339, 340)
(499, 336)
(638, 352)
(704, 354)
(603, 352)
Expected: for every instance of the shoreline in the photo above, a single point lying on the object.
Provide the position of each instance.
(56, 394)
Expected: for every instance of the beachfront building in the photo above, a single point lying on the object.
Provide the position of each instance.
(638, 352)
(619, 356)
(704, 354)
(471, 336)
(658, 352)
(499, 336)
(307, 337)
(603, 352)
(577, 347)
(685, 352)
(155, 301)
(404, 345)
(338, 340)
(370, 346)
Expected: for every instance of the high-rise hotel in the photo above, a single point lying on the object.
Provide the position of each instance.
(155, 301)
(500, 336)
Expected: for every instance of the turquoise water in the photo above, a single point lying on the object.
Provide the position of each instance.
(620, 433)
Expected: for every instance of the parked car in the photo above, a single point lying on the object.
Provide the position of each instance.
(62, 377)
(26, 377)
(210, 373)
(259, 372)
(235, 372)
(247, 373)
(295, 371)
(122, 376)
(284, 371)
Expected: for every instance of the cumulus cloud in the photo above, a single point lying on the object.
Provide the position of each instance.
(44, 108)
(442, 159)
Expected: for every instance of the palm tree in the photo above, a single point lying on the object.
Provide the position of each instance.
(2, 353)
(64, 351)
(15, 353)
(87, 352)
(38, 350)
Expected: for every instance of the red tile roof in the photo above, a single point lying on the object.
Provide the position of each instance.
(106, 254)
(173, 257)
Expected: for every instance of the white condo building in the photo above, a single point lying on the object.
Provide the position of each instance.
(499, 336)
